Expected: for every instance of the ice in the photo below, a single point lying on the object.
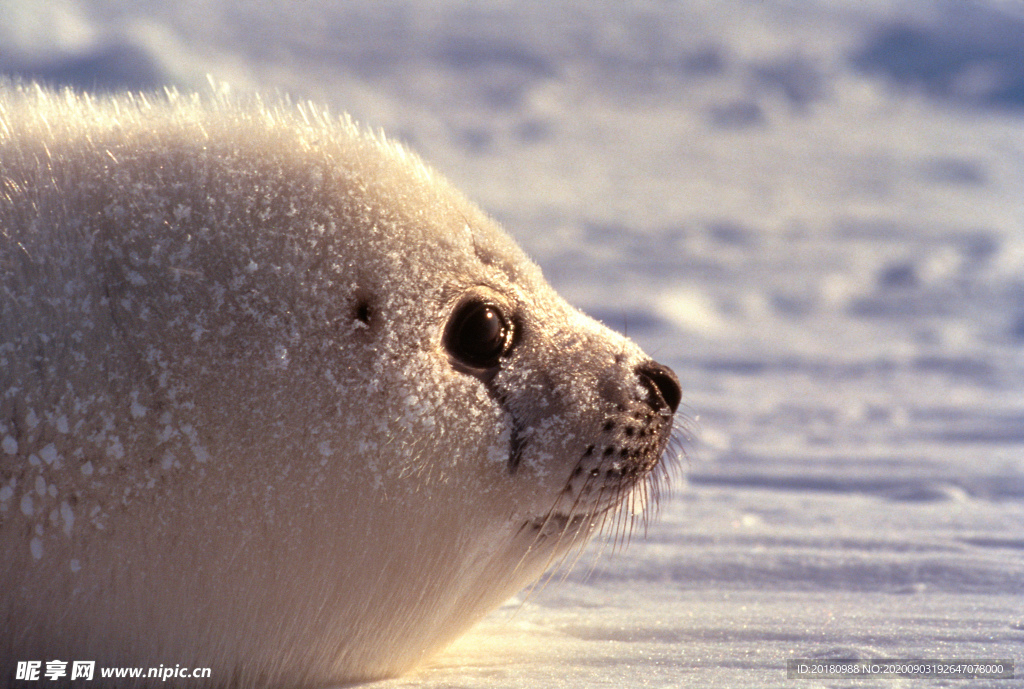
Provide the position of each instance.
(811, 211)
(67, 516)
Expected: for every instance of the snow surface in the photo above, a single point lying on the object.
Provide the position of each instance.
(811, 210)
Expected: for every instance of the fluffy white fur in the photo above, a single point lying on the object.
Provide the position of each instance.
(230, 432)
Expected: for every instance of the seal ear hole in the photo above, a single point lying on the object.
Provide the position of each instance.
(478, 335)
(362, 310)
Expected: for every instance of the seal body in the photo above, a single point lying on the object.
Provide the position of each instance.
(278, 401)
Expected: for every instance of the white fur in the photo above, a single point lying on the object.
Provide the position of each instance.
(207, 457)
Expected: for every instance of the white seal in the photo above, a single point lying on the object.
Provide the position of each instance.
(276, 400)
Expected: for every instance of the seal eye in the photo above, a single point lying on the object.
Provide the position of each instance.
(478, 335)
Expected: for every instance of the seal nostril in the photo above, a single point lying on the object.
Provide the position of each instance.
(663, 384)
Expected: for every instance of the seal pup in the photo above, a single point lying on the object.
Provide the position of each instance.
(276, 400)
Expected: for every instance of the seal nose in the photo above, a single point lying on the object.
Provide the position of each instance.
(663, 385)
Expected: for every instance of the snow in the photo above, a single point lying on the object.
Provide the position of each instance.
(810, 210)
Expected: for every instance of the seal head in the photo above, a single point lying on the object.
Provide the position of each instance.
(278, 401)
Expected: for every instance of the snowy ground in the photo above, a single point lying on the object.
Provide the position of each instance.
(812, 210)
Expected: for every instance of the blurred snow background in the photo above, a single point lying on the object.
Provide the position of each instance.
(813, 210)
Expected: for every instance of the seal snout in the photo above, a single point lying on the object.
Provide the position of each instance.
(630, 438)
(662, 386)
